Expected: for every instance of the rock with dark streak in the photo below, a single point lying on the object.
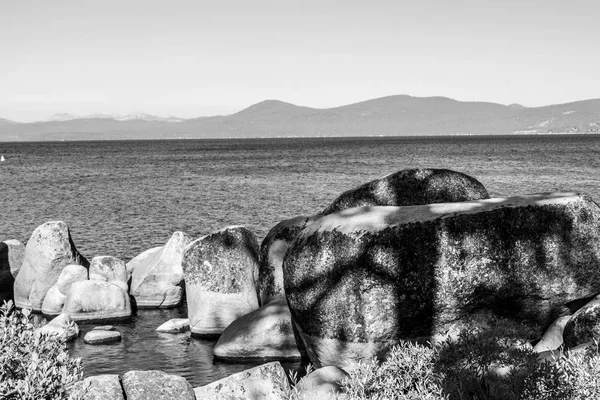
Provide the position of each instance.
(411, 187)
(361, 280)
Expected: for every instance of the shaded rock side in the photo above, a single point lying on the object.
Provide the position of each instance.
(158, 280)
(99, 387)
(360, 280)
(156, 385)
(7, 279)
(264, 334)
(411, 187)
(57, 295)
(220, 271)
(583, 326)
(97, 301)
(12, 253)
(48, 251)
(272, 250)
(267, 381)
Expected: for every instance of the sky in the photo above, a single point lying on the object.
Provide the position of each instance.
(195, 58)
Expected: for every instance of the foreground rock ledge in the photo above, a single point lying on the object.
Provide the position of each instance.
(359, 280)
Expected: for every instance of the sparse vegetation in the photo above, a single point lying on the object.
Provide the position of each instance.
(33, 365)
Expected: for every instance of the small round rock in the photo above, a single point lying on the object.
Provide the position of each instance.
(102, 337)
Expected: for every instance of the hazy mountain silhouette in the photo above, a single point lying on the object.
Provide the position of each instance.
(392, 115)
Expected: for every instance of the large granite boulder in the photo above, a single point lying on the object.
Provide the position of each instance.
(220, 271)
(158, 281)
(97, 301)
(156, 385)
(267, 381)
(360, 280)
(48, 251)
(583, 326)
(109, 269)
(264, 334)
(57, 294)
(272, 250)
(11, 258)
(99, 387)
(403, 188)
(411, 187)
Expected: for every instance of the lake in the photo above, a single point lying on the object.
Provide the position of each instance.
(122, 197)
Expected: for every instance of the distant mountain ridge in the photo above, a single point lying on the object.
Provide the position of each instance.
(117, 117)
(392, 115)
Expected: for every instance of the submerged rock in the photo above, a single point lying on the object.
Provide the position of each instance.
(156, 385)
(99, 387)
(102, 337)
(220, 270)
(267, 381)
(48, 251)
(175, 325)
(157, 278)
(411, 187)
(96, 301)
(265, 334)
(360, 280)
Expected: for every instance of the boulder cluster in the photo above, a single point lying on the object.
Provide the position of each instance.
(419, 254)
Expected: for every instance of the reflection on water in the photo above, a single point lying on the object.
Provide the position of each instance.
(142, 348)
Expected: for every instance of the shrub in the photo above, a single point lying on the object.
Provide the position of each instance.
(480, 364)
(33, 365)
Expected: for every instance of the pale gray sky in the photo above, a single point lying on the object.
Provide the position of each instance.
(192, 58)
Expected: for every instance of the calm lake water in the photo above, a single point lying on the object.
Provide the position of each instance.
(123, 197)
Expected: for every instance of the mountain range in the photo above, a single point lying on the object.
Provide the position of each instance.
(393, 115)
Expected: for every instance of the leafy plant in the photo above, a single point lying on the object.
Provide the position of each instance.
(33, 365)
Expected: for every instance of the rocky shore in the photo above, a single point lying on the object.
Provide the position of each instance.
(418, 255)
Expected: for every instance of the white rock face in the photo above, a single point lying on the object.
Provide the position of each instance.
(157, 277)
(221, 271)
(175, 325)
(57, 294)
(97, 300)
(267, 381)
(48, 251)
